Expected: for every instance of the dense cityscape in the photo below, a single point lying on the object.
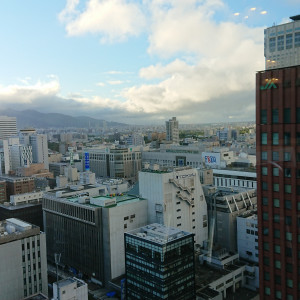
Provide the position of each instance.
(99, 209)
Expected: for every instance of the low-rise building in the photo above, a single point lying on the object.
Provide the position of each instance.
(69, 289)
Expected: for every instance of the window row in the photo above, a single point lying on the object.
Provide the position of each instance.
(275, 138)
(284, 42)
(275, 116)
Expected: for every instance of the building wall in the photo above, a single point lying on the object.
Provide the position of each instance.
(8, 127)
(278, 196)
(164, 205)
(116, 221)
(3, 197)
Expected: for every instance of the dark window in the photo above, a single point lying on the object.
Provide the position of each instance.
(265, 201)
(277, 233)
(289, 41)
(275, 114)
(298, 115)
(288, 252)
(288, 220)
(287, 115)
(264, 186)
(287, 172)
(289, 267)
(276, 218)
(266, 231)
(277, 279)
(298, 189)
(287, 156)
(265, 216)
(288, 204)
(287, 138)
(263, 116)
(266, 246)
(275, 156)
(288, 188)
(266, 261)
(267, 276)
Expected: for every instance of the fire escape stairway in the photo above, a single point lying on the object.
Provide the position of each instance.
(186, 189)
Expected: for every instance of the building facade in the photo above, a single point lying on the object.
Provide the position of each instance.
(278, 185)
(159, 263)
(282, 44)
(176, 199)
(23, 272)
(8, 127)
(172, 128)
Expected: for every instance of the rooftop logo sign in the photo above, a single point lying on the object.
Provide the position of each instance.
(271, 83)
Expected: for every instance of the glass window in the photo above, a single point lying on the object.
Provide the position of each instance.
(277, 264)
(277, 249)
(298, 138)
(277, 233)
(287, 188)
(278, 294)
(276, 218)
(289, 267)
(264, 140)
(265, 216)
(263, 116)
(287, 138)
(288, 251)
(298, 114)
(288, 220)
(287, 115)
(289, 283)
(275, 172)
(267, 291)
(266, 246)
(288, 204)
(272, 44)
(276, 187)
(287, 172)
(264, 155)
(265, 201)
(289, 41)
(276, 202)
(288, 236)
(264, 171)
(275, 115)
(275, 156)
(287, 156)
(266, 261)
(264, 186)
(297, 39)
(275, 138)
(267, 275)
(266, 231)
(280, 43)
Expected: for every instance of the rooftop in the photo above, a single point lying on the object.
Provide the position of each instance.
(159, 233)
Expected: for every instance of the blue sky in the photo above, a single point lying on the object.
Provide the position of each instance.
(137, 62)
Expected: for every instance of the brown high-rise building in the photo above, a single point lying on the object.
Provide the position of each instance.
(278, 181)
(18, 185)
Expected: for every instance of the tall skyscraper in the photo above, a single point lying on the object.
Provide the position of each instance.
(172, 130)
(282, 44)
(8, 127)
(278, 164)
(159, 263)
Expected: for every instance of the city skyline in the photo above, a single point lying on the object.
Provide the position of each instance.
(136, 61)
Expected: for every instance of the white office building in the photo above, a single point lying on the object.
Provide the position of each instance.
(8, 127)
(282, 44)
(70, 289)
(23, 270)
(20, 156)
(172, 130)
(175, 199)
(247, 236)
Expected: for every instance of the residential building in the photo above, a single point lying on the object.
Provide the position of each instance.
(282, 44)
(88, 229)
(159, 263)
(175, 198)
(8, 127)
(172, 128)
(23, 269)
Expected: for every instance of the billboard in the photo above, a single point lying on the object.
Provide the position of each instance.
(87, 161)
(211, 158)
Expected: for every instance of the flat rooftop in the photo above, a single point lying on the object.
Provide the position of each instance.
(70, 280)
(158, 233)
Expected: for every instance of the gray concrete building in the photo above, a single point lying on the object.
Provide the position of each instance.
(23, 271)
(88, 230)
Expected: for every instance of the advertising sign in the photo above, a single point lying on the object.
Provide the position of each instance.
(211, 158)
(87, 161)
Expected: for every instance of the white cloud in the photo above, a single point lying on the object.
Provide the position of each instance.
(100, 84)
(115, 82)
(114, 20)
(27, 93)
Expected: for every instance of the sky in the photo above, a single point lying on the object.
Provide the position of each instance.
(136, 62)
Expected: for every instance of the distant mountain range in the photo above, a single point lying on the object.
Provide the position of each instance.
(33, 118)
